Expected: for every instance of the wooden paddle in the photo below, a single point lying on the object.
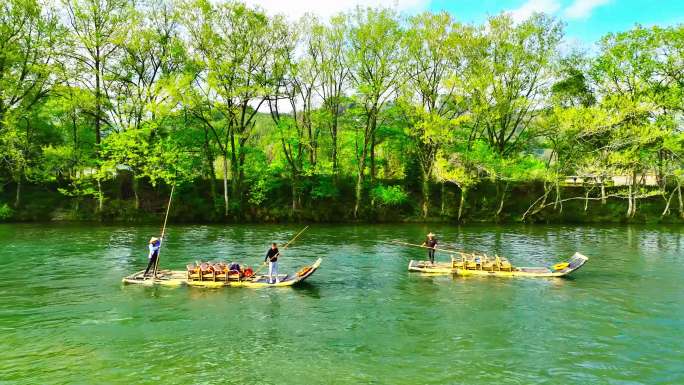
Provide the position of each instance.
(284, 247)
(161, 239)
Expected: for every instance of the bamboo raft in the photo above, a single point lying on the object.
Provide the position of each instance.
(215, 277)
(470, 264)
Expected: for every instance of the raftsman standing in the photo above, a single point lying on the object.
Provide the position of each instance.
(272, 259)
(155, 244)
(431, 242)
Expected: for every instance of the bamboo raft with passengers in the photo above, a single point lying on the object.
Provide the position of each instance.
(480, 264)
(220, 274)
(216, 274)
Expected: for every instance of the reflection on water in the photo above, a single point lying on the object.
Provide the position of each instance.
(362, 318)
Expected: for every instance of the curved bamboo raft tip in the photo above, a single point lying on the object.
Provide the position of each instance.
(180, 278)
(481, 265)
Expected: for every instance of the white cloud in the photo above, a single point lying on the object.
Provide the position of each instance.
(581, 9)
(533, 6)
(327, 8)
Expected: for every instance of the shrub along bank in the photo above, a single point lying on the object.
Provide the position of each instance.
(391, 202)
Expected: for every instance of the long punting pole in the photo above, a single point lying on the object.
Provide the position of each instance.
(295, 237)
(462, 253)
(284, 247)
(166, 218)
(427, 247)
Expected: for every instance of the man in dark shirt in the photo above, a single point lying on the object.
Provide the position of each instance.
(272, 259)
(431, 242)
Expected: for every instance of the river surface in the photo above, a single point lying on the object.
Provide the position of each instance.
(65, 317)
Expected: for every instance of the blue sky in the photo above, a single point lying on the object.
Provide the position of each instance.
(586, 20)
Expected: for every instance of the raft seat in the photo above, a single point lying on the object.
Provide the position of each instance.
(205, 271)
(456, 264)
(488, 266)
(234, 275)
(471, 265)
(192, 272)
(231, 275)
(496, 263)
(474, 262)
(219, 272)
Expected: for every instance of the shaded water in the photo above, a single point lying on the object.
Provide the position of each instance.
(362, 318)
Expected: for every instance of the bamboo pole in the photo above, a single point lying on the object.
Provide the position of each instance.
(463, 254)
(161, 239)
(284, 247)
(295, 237)
(427, 247)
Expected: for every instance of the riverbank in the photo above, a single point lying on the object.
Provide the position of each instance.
(488, 203)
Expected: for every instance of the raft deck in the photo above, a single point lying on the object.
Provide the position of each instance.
(180, 278)
(470, 266)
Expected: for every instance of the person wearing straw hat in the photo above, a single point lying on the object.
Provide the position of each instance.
(154, 245)
(431, 243)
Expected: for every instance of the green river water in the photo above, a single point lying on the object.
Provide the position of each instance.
(65, 317)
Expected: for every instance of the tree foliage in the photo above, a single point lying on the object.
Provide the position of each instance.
(369, 107)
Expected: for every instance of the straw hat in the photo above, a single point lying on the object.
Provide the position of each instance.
(154, 239)
(431, 235)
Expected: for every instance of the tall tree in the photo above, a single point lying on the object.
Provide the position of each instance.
(97, 30)
(375, 60)
(328, 50)
(510, 73)
(624, 75)
(432, 92)
(29, 40)
(234, 45)
(152, 56)
(295, 78)
(670, 68)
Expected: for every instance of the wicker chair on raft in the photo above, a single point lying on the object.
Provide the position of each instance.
(480, 262)
(218, 271)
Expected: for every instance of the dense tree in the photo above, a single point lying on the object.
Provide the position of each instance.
(234, 45)
(295, 78)
(375, 60)
(29, 42)
(153, 55)
(328, 52)
(509, 77)
(624, 73)
(356, 116)
(432, 94)
(97, 29)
